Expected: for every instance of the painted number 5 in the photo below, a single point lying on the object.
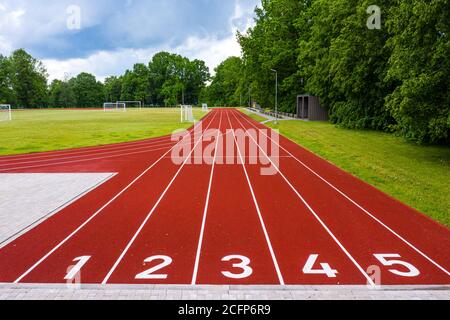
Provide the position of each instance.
(244, 265)
(412, 271)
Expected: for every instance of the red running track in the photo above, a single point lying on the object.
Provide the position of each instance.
(157, 222)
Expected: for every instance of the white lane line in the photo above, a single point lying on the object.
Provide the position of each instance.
(130, 243)
(347, 253)
(261, 220)
(363, 209)
(205, 212)
(87, 155)
(81, 150)
(90, 219)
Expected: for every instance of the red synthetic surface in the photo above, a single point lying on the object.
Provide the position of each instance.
(154, 207)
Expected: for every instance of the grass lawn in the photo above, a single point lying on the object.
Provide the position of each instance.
(45, 130)
(416, 175)
(252, 115)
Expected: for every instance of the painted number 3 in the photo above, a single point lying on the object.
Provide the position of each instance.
(243, 265)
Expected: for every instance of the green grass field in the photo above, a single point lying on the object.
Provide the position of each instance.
(46, 130)
(416, 175)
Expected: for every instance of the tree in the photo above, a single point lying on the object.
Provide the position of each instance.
(420, 64)
(224, 89)
(171, 76)
(6, 89)
(28, 80)
(87, 90)
(135, 84)
(61, 95)
(113, 89)
(273, 44)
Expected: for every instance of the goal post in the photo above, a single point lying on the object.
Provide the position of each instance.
(114, 106)
(132, 104)
(5, 112)
(187, 114)
(205, 107)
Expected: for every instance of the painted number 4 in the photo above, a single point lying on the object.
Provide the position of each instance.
(326, 269)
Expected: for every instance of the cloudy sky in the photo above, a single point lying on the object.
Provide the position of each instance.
(112, 35)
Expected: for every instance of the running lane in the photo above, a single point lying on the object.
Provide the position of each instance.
(95, 226)
(171, 234)
(234, 248)
(297, 235)
(375, 245)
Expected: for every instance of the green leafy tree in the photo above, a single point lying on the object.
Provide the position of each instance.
(6, 89)
(273, 44)
(420, 62)
(61, 95)
(87, 90)
(28, 80)
(113, 89)
(224, 89)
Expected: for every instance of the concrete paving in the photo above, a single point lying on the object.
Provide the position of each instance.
(144, 292)
(28, 199)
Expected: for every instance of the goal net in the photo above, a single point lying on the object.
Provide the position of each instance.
(132, 104)
(5, 112)
(114, 106)
(205, 107)
(187, 114)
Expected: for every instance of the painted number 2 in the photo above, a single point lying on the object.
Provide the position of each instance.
(244, 265)
(150, 273)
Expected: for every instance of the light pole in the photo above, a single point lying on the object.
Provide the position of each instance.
(276, 95)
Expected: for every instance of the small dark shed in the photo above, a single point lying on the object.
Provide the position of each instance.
(309, 108)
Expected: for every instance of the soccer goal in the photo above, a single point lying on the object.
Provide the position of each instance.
(114, 106)
(187, 114)
(205, 107)
(5, 112)
(132, 104)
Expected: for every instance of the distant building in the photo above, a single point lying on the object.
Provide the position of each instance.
(309, 108)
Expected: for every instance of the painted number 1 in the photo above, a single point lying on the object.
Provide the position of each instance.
(81, 261)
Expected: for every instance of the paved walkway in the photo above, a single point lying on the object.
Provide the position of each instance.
(271, 118)
(111, 292)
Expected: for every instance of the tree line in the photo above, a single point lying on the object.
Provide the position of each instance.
(167, 80)
(396, 78)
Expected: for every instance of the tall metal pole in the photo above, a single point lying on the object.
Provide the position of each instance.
(276, 95)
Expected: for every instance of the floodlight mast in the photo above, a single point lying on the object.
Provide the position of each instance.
(276, 95)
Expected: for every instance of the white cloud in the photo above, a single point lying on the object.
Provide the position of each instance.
(209, 47)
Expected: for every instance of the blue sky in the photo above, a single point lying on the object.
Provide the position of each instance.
(114, 34)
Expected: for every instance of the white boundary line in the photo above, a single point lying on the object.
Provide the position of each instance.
(205, 212)
(130, 243)
(87, 149)
(91, 218)
(88, 155)
(363, 209)
(80, 150)
(255, 201)
(80, 154)
(347, 253)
